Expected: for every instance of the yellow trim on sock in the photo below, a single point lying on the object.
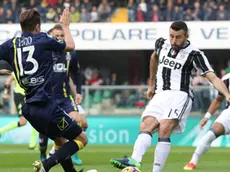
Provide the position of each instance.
(56, 147)
(80, 144)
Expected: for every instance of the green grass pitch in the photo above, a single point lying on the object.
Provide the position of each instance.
(17, 158)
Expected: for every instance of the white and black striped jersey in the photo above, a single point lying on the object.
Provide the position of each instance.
(226, 80)
(175, 69)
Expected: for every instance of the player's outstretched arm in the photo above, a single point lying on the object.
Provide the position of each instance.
(218, 84)
(211, 110)
(65, 22)
(152, 75)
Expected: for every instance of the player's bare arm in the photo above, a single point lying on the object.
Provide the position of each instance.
(8, 82)
(152, 75)
(65, 22)
(211, 110)
(218, 84)
(77, 96)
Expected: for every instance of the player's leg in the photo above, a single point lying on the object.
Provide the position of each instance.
(163, 146)
(177, 108)
(18, 100)
(43, 143)
(220, 127)
(142, 143)
(77, 117)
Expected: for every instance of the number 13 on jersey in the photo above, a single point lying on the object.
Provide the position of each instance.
(29, 59)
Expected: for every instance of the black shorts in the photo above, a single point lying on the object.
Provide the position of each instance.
(67, 104)
(50, 119)
(19, 101)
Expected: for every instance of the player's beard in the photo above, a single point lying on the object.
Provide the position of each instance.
(178, 47)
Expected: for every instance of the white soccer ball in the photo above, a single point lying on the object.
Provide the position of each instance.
(130, 169)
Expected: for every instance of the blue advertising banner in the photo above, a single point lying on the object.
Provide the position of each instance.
(117, 130)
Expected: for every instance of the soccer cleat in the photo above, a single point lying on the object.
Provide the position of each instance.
(76, 159)
(125, 162)
(38, 166)
(190, 166)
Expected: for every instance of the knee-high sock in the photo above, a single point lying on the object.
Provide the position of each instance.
(141, 145)
(43, 142)
(9, 127)
(161, 154)
(203, 146)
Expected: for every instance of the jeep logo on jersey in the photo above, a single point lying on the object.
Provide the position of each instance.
(60, 67)
(170, 63)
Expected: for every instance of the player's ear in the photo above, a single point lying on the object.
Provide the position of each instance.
(186, 35)
(38, 28)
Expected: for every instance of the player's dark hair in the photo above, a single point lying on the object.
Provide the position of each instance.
(29, 19)
(179, 25)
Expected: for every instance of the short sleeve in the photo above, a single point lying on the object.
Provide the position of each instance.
(201, 63)
(226, 82)
(158, 45)
(55, 44)
(5, 50)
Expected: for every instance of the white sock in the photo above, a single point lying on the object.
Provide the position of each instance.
(161, 154)
(141, 145)
(203, 146)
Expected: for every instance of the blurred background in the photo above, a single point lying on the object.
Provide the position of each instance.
(114, 40)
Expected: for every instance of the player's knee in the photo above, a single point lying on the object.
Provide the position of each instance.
(84, 125)
(22, 121)
(81, 140)
(149, 123)
(166, 128)
(218, 129)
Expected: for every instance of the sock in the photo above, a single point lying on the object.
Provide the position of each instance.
(141, 145)
(161, 154)
(33, 138)
(203, 146)
(43, 142)
(9, 127)
(60, 155)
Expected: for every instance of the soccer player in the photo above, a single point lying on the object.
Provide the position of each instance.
(31, 57)
(66, 65)
(220, 127)
(171, 66)
(19, 94)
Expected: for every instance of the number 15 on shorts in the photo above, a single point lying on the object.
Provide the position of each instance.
(174, 112)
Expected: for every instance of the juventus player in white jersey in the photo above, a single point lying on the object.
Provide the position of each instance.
(171, 67)
(220, 127)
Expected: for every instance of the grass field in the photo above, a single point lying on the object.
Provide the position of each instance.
(17, 158)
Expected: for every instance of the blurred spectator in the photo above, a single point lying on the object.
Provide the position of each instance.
(15, 8)
(66, 4)
(84, 15)
(143, 8)
(2, 15)
(5, 4)
(104, 10)
(74, 15)
(114, 80)
(169, 11)
(57, 17)
(32, 4)
(222, 14)
(87, 5)
(155, 13)
(197, 13)
(9, 16)
(209, 14)
(77, 5)
(131, 11)
(50, 15)
(42, 9)
(94, 15)
(177, 14)
(95, 80)
(188, 16)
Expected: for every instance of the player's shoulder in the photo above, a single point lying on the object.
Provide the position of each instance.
(225, 77)
(190, 48)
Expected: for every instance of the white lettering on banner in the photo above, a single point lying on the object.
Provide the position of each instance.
(134, 36)
(111, 136)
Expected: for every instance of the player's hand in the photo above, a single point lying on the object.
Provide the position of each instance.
(6, 96)
(227, 98)
(65, 18)
(5, 72)
(78, 99)
(203, 122)
(150, 93)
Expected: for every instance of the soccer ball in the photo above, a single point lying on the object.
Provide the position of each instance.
(130, 169)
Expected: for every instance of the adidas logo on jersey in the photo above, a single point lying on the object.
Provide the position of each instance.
(170, 63)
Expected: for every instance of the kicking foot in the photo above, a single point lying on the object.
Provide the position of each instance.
(125, 162)
(76, 160)
(190, 166)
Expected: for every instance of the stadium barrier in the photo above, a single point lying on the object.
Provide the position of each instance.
(118, 130)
